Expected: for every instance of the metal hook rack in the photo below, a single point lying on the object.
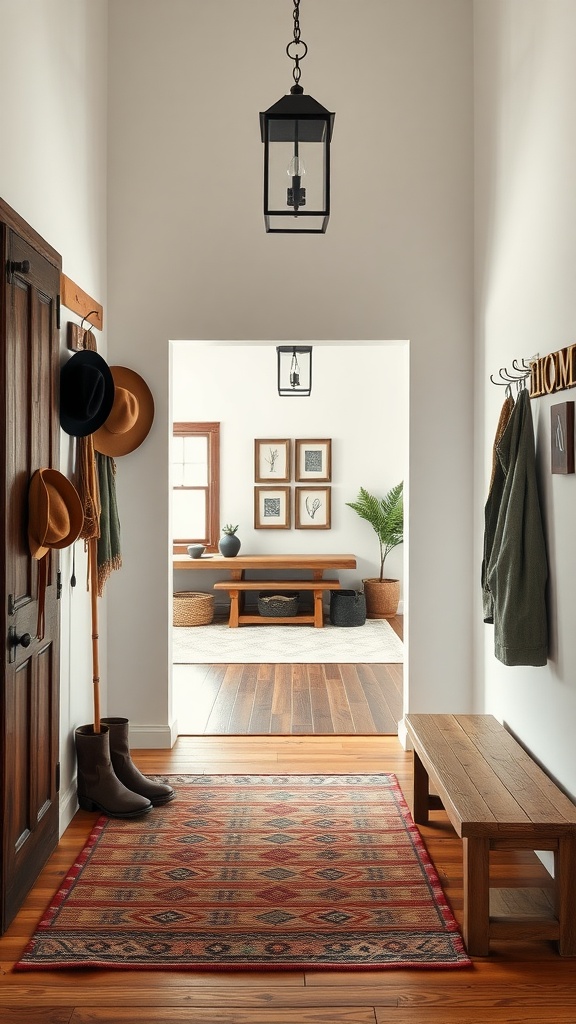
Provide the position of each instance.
(521, 370)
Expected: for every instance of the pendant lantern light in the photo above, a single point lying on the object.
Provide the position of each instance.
(294, 370)
(296, 132)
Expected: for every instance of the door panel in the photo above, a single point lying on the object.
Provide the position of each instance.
(30, 440)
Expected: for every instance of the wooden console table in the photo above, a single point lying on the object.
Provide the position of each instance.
(236, 567)
(240, 564)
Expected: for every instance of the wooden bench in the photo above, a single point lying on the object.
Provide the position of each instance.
(237, 587)
(497, 798)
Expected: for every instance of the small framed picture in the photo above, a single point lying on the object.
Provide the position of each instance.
(562, 437)
(271, 508)
(312, 508)
(313, 460)
(272, 460)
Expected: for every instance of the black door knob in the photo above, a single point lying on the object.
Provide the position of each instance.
(24, 641)
(20, 266)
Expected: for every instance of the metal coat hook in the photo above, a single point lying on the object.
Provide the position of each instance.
(521, 372)
(91, 313)
(88, 330)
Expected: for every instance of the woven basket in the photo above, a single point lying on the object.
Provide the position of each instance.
(193, 609)
(347, 608)
(279, 605)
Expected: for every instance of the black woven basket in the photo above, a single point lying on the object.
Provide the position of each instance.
(278, 606)
(347, 608)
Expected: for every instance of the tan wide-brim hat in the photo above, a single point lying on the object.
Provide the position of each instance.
(131, 417)
(55, 514)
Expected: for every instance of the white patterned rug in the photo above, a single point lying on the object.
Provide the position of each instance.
(373, 643)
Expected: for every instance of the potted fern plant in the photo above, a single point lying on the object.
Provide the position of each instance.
(386, 517)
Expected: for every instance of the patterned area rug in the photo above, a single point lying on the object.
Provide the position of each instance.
(261, 872)
(373, 643)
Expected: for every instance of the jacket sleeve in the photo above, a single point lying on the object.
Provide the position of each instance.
(491, 508)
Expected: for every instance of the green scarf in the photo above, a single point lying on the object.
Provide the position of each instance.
(109, 556)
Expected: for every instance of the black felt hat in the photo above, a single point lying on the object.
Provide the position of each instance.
(86, 393)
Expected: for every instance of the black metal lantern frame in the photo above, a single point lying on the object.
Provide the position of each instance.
(296, 132)
(294, 370)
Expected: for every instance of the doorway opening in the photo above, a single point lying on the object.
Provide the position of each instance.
(360, 404)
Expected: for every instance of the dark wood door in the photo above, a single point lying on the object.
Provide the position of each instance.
(29, 701)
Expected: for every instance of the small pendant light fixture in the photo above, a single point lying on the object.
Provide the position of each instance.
(296, 132)
(294, 370)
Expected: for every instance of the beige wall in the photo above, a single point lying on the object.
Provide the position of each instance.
(178, 168)
(189, 258)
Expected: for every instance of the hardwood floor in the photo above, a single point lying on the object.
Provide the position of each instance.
(287, 700)
(519, 983)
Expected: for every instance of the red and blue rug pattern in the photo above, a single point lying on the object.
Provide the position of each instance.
(255, 872)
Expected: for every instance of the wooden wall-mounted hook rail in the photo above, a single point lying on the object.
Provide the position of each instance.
(74, 298)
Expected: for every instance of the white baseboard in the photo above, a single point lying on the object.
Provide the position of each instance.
(153, 737)
(403, 735)
(68, 805)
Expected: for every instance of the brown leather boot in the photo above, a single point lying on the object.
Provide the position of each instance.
(98, 787)
(125, 769)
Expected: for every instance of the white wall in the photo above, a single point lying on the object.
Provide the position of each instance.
(526, 304)
(189, 258)
(369, 444)
(53, 173)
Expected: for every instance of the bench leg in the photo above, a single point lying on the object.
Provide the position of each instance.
(421, 800)
(477, 896)
(234, 611)
(318, 609)
(564, 875)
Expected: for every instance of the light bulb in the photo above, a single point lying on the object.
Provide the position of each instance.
(296, 195)
(296, 167)
(294, 371)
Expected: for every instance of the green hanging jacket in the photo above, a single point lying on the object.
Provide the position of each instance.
(517, 569)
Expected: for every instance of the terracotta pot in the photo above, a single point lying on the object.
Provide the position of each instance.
(382, 597)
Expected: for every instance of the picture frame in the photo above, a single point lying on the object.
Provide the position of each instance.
(562, 437)
(313, 460)
(272, 460)
(272, 508)
(313, 508)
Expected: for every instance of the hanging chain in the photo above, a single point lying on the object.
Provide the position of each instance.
(294, 44)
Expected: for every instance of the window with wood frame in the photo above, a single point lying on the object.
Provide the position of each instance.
(195, 485)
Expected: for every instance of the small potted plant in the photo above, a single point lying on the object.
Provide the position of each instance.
(229, 543)
(386, 516)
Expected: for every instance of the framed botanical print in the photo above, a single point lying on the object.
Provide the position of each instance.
(312, 508)
(272, 460)
(562, 437)
(271, 508)
(313, 460)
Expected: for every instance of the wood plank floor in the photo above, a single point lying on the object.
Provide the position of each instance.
(519, 983)
(288, 700)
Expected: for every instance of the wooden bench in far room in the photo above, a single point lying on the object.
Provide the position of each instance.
(237, 587)
(497, 798)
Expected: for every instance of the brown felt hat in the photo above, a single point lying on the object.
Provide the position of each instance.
(131, 417)
(55, 514)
